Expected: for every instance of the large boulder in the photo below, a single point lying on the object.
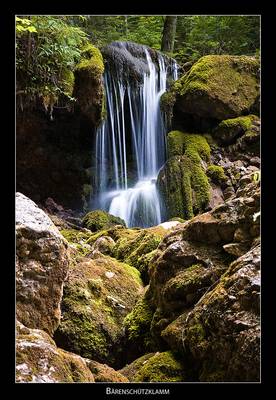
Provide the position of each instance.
(41, 266)
(39, 360)
(219, 87)
(98, 294)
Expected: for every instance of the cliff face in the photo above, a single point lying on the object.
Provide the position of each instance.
(54, 152)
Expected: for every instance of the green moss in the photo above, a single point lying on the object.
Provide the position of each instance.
(230, 129)
(162, 367)
(185, 187)
(98, 219)
(68, 80)
(137, 324)
(216, 174)
(97, 235)
(135, 247)
(167, 101)
(83, 337)
(132, 271)
(149, 243)
(209, 72)
(77, 239)
(194, 145)
(196, 335)
(92, 61)
(243, 122)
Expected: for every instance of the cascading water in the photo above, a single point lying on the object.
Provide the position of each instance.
(133, 133)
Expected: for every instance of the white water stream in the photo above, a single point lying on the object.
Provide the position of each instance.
(142, 125)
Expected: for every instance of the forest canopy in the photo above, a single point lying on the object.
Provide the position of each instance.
(48, 48)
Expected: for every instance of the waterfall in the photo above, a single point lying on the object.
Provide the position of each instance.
(131, 142)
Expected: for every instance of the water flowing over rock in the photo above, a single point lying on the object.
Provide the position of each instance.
(130, 144)
(41, 268)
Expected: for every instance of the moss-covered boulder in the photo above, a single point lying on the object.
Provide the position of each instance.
(219, 87)
(182, 181)
(229, 130)
(88, 88)
(180, 272)
(136, 247)
(216, 174)
(98, 294)
(156, 367)
(97, 220)
(39, 360)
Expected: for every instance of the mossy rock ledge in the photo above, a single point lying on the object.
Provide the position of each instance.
(88, 88)
(219, 87)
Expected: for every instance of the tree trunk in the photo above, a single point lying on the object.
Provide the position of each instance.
(168, 34)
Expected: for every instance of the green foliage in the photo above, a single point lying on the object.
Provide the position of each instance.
(195, 35)
(47, 50)
(199, 35)
(140, 29)
(24, 25)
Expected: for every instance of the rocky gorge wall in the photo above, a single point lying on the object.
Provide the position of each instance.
(178, 302)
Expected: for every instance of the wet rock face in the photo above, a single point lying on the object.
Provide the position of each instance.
(40, 361)
(41, 266)
(130, 60)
